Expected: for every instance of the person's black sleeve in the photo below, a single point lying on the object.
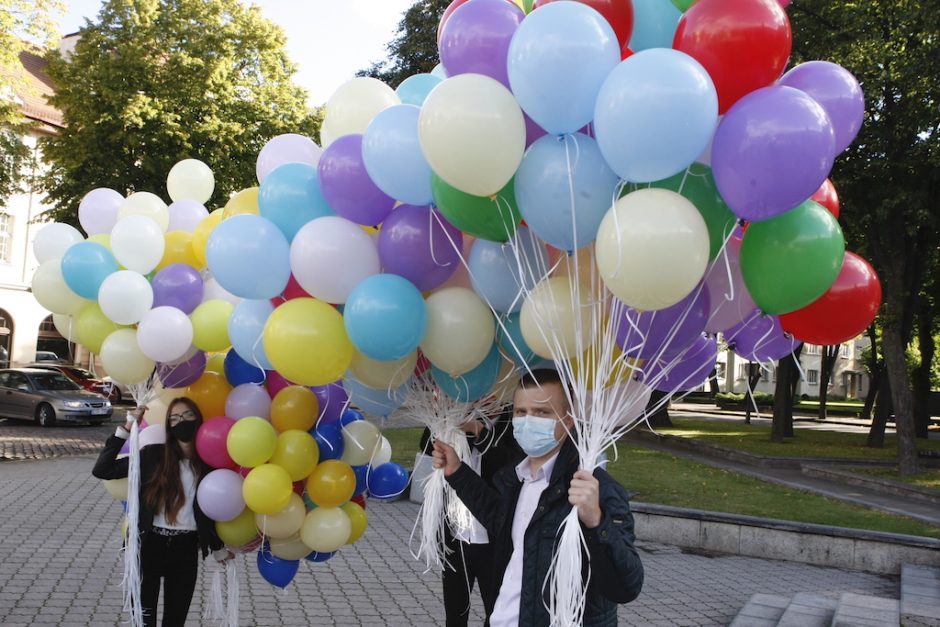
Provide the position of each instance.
(108, 466)
(426, 444)
(482, 500)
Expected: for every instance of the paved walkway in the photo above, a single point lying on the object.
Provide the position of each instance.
(20, 439)
(60, 541)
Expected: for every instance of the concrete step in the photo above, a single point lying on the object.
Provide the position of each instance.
(808, 610)
(761, 610)
(861, 610)
(920, 595)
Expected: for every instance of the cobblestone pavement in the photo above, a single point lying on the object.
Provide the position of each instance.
(20, 439)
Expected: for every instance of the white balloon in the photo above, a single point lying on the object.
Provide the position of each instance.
(145, 204)
(353, 105)
(152, 434)
(138, 243)
(54, 239)
(98, 210)
(330, 256)
(51, 291)
(125, 296)
(211, 290)
(165, 334)
(185, 215)
(66, 326)
(286, 148)
(382, 453)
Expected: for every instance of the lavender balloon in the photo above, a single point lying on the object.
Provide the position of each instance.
(286, 148)
(346, 185)
(333, 400)
(178, 285)
(186, 214)
(760, 338)
(419, 244)
(182, 374)
(666, 332)
(220, 495)
(688, 370)
(837, 91)
(729, 300)
(772, 150)
(476, 37)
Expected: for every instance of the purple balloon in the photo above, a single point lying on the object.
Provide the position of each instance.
(533, 131)
(688, 370)
(182, 374)
(420, 246)
(220, 495)
(760, 338)
(837, 91)
(178, 285)
(346, 185)
(665, 332)
(772, 150)
(333, 400)
(476, 37)
(729, 300)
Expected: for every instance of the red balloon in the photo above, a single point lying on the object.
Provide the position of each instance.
(827, 197)
(359, 500)
(423, 364)
(844, 311)
(299, 487)
(618, 13)
(744, 44)
(625, 53)
(293, 290)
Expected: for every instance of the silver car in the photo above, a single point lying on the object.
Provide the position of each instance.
(46, 397)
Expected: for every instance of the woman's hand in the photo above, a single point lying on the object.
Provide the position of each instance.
(135, 415)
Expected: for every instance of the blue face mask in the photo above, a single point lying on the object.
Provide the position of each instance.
(535, 435)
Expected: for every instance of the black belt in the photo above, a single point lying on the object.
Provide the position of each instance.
(163, 531)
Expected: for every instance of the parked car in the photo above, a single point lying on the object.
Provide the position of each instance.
(83, 379)
(117, 392)
(48, 397)
(47, 356)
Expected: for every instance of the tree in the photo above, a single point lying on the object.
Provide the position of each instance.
(826, 366)
(788, 377)
(151, 83)
(889, 179)
(414, 48)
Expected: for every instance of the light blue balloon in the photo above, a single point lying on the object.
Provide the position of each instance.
(561, 176)
(415, 89)
(654, 24)
(496, 273)
(509, 337)
(557, 61)
(380, 402)
(439, 71)
(470, 385)
(385, 317)
(656, 113)
(245, 329)
(85, 266)
(290, 197)
(249, 256)
(393, 158)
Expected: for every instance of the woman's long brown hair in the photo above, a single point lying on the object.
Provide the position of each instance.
(164, 491)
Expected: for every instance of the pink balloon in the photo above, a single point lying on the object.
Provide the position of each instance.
(276, 382)
(248, 399)
(730, 301)
(211, 442)
(220, 495)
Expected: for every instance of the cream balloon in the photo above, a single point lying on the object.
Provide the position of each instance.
(125, 296)
(460, 330)
(382, 453)
(360, 439)
(190, 179)
(555, 321)
(146, 204)
(137, 242)
(472, 133)
(286, 522)
(51, 292)
(116, 488)
(53, 240)
(123, 359)
(382, 374)
(65, 325)
(354, 103)
(165, 334)
(292, 548)
(326, 529)
(327, 136)
(652, 248)
(506, 382)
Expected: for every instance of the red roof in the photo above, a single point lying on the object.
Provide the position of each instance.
(35, 106)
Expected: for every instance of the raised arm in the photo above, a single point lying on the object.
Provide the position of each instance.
(482, 500)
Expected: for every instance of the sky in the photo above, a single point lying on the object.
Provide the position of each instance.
(328, 40)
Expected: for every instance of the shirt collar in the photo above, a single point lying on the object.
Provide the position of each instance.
(524, 469)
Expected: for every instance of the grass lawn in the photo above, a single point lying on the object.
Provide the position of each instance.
(661, 478)
(927, 478)
(807, 442)
(814, 405)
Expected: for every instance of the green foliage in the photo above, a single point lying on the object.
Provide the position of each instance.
(151, 83)
(762, 398)
(414, 48)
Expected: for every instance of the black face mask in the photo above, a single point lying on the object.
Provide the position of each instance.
(185, 431)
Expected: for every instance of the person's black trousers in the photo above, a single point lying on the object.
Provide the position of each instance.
(175, 560)
(473, 563)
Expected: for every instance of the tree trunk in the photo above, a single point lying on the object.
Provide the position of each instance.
(876, 434)
(713, 388)
(873, 383)
(920, 379)
(660, 418)
(753, 376)
(828, 362)
(901, 399)
(788, 376)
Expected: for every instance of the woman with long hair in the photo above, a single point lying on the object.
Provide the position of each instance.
(172, 528)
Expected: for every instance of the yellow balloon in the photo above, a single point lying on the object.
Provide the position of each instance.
(292, 548)
(294, 407)
(209, 393)
(122, 358)
(354, 103)
(552, 322)
(92, 327)
(116, 488)
(306, 341)
(383, 374)
(326, 529)
(216, 363)
(460, 330)
(245, 201)
(147, 205)
(202, 231)
(179, 249)
(285, 523)
(190, 179)
(358, 519)
(297, 453)
(239, 531)
(101, 238)
(331, 484)
(210, 325)
(251, 442)
(618, 369)
(51, 291)
(267, 489)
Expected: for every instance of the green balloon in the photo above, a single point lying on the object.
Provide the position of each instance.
(683, 5)
(792, 259)
(494, 218)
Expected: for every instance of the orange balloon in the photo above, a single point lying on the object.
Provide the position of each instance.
(331, 484)
(294, 407)
(209, 393)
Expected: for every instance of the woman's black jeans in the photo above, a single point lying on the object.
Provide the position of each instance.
(175, 560)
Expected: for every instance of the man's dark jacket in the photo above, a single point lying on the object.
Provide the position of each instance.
(616, 573)
(109, 467)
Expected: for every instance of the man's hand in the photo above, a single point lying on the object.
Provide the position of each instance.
(584, 493)
(445, 457)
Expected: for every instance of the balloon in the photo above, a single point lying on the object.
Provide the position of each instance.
(557, 83)
(827, 196)
(329, 438)
(559, 177)
(551, 322)
(837, 91)
(687, 371)
(415, 89)
(146, 205)
(286, 148)
(388, 481)
(385, 317)
(730, 303)
(460, 330)
(330, 256)
(116, 488)
(245, 201)
(476, 38)
(178, 248)
(296, 453)
(791, 260)
(471, 385)
(138, 243)
(332, 399)
(211, 442)
(190, 179)
(664, 333)
(220, 495)
(346, 184)
(379, 374)
(187, 373)
(375, 401)
(179, 286)
(210, 325)
(381, 455)
(619, 15)
(654, 25)
(249, 257)
(267, 489)
(392, 155)
(290, 197)
(245, 328)
(291, 548)
(209, 391)
(306, 342)
(655, 114)
(52, 292)
(844, 311)
(315, 556)
(97, 212)
(503, 273)
(491, 217)
(65, 325)
(202, 232)
(251, 442)
(350, 416)
(360, 439)
(294, 407)
(239, 531)
(125, 297)
(92, 327)
(326, 529)
(472, 133)
(285, 523)
(54, 239)
(185, 215)
(771, 152)
(293, 290)
(652, 228)
(357, 518)
(760, 338)
(164, 334)
(332, 483)
(510, 340)
(85, 266)
(248, 399)
(211, 290)
(419, 244)
(353, 105)
(238, 371)
(123, 359)
(743, 45)
(276, 571)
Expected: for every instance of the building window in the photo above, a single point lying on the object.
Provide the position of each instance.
(846, 351)
(764, 374)
(720, 370)
(812, 377)
(742, 371)
(813, 349)
(6, 237)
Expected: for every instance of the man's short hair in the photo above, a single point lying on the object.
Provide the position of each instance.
(542, 376)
